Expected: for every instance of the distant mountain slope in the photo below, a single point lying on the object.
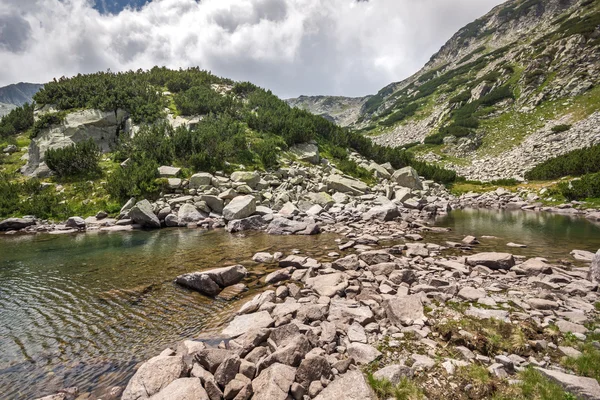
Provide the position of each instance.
(341, 110)
(19, 93)
(515, 73)
(6, 108)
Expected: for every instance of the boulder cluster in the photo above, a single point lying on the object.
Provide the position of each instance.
(404, 312)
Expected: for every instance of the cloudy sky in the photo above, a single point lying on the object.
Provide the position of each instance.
(293, 47)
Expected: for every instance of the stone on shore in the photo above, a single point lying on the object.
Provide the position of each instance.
(16, 223)
(183, 389)
(239, 208)
(247, 322)
(154, 375)
(328, 285)
(403, 311)
(75, 223)
(492, 260)
(346, 185)
(408, 177)
(274, 383)
(350, 386)
(142, 213)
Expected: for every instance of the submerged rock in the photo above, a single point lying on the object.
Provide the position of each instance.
(211, 282)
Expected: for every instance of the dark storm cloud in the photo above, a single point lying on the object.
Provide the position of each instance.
(15, 31)
(293, 47)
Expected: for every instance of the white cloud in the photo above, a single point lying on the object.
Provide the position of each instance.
(293, 47)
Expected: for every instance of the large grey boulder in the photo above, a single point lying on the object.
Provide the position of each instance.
(594, 273)
(403, 311)
(245, 177)
(188, 214)
(378, 171)
(307, 152)
(183, 389)
(284, 226)
(154, 375)
(239, 208)
(253, 223)
(363, 353)
(100, 126)
(211, 282)
(394, 373)
(346, 185)
(166, 171)
(382, 213)
(200, 179)
(142, 213)
(328, 285)
(350, 386)
(247, 322)
(215, 203)
(16, 223)
(493, 261)
(323, 199)
(75, 223)
(273, 383)
(584, 388)
(408, 177)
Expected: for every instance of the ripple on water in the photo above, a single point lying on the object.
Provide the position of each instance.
(83, 310)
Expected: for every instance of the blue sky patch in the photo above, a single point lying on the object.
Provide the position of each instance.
(116, 6)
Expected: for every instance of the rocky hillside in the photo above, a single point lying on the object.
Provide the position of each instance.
(516, 73)
(13, 96)
(341, 110)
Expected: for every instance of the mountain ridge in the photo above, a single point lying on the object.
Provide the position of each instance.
(519, 62)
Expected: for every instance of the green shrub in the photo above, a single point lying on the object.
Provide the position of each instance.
(201, 100)
(461, 97)
(560, 128)
(586, 187)
(407, 111)
(18, 120)
(267, 151)
(575, 163)
(137, 179)
(78, 160)
(46, 121)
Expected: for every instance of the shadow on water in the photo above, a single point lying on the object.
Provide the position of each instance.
(82, 310)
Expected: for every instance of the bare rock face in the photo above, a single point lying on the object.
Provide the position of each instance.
(100, 126)
(594, 274)
(153, 376)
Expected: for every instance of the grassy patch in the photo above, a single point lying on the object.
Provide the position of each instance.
(405, 390)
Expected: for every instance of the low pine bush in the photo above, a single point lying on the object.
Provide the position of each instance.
(78, 160)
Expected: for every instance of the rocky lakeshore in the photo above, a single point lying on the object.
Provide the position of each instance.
(407, 313)
(389, 311)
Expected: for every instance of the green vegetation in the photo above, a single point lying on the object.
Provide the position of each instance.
(588, 363)
(560, 128)
(405, 390)
(575, 163)
(78, 160)
(46, 121)
(18, 120)
(32, 198)
(580, 189)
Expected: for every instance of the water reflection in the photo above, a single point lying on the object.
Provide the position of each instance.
(549, 235)
(81, 310)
